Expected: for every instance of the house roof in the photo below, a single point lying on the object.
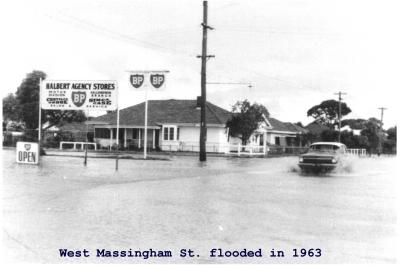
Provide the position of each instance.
(297, 127)
(284, 126)
(163, 112)
(316, 127)
(76, 127)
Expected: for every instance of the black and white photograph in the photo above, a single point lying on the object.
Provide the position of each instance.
(199, 132)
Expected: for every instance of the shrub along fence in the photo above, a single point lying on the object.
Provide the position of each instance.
(50, 139)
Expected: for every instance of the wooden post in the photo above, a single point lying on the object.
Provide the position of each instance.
(125, 135)
(40, 118)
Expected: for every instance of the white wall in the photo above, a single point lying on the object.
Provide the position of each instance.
(189, 138)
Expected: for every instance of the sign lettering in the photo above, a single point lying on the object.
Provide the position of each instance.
(27, 153)
(79, 95)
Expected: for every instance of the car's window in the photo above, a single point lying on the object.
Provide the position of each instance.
(324, 148)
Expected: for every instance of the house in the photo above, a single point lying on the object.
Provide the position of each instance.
(347, 128)
(171, 125)
(174, 125)
(277, 133)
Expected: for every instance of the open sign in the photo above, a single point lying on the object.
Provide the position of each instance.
(27, 153)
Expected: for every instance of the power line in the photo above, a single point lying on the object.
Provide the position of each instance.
(249, 85)
(117, 35)
(146, 44)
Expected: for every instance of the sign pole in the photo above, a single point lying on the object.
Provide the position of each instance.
(40, 117)
(117, 136)
(86, 145)
(145, 126)
(137, 81)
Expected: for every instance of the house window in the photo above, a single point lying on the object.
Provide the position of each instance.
(169, 133)
(102, 133)
(277, 140)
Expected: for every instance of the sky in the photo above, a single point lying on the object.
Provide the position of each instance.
(295, 54)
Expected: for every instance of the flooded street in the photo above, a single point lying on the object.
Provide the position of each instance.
(227, 203)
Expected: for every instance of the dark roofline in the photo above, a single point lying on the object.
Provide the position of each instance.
(217, 115)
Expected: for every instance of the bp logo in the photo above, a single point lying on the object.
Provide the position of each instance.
(27, 147)
(137, 80)
(157, 80)
(78, 98)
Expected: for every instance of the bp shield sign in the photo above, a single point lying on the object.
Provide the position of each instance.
(137, 80)
(27, 153)
(157, 80)
(78, 98)
(154, 80)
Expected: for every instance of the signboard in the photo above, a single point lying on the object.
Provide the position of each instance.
(79, 95)
(153, 80)
(27, 153)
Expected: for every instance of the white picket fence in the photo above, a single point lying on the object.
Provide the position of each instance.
(359, 152)
(249, 149)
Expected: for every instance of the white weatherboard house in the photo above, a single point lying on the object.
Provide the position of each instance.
(174, 125)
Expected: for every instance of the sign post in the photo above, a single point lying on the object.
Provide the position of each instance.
(145, 126)
(143, 80)
(117, 138)
(86, 144)
(40, 116)
(85, 95)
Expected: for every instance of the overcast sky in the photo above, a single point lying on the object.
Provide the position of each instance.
(294, 53)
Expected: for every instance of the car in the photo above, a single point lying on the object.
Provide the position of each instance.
(322, 157)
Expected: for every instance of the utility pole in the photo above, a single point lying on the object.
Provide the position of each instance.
(340, 111)
(204, 57)
(380, 131)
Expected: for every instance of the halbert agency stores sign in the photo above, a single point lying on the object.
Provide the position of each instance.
(27, 153)
(79, 95)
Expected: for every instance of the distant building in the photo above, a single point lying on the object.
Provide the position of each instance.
(277, 133)
(349, 129)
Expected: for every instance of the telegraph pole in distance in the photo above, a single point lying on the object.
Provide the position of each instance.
(340, 111)
(380, 131)
(204, 57)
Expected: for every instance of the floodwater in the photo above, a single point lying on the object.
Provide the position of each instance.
(227, 203)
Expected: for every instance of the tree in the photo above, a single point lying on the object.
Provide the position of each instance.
(371, 131)
(355, 124)
(392, 133)
(327, 112)
(27, 101)
(299, 124)
(246, 119)
(389, 144)
(10, 108)
(329, 135)
(307, 138)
